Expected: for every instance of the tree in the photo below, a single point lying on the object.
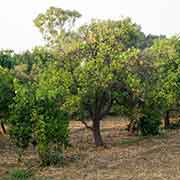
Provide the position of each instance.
(56, 25)
(37, 113)
(99, 56)
(166, 56)
(51, 121)
(20, 119)
(99, 70)
(7, 94)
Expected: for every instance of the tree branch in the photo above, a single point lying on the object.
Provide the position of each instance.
(86, 125)
(107, 108)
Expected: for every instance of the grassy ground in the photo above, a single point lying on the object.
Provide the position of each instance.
(125, 158)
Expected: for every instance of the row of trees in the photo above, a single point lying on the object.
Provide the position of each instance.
(86, 73)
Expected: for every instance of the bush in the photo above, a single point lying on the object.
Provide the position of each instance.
(20, 119)
(18, 174)
(22, 174)
(54, 158)
(37, 114)
(174, 125)
(149, 123)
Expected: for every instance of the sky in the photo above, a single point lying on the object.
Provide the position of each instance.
(18, 32)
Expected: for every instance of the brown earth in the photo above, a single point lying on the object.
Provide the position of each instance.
(125, 157)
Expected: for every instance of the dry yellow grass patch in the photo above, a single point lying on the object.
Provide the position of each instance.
(125, 158)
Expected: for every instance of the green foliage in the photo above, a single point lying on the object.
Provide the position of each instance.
(6, 91)
(103, 55)
(21, 114)
(26, 59)
(23, 174)
(19, 174)
(42, 56)
(56, 26)
(166, 60)
(6, 95)
(149, 123)
(53, 158)
(149, 40)
(7, 59)
(29, 64)
(37, 112)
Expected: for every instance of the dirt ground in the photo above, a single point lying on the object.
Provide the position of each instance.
(125, 158)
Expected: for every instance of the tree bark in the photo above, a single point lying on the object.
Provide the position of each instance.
(97, 133)
(3, 128)
(167, 120)
(131, 127)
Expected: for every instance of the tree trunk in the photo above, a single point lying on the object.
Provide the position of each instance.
(97, 133)
(166, 120)
(132, 127)
(3, 128)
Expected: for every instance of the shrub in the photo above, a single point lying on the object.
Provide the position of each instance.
(20, 119)
(23, 174)
(54, 158)
(18, 174)
(149, 123)
(175, 125)
(37, 113)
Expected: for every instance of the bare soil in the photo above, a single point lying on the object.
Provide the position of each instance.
(126, 157)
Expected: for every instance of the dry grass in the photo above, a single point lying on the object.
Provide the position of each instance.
(125, 158)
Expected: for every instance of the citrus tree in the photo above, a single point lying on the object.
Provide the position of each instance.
(166, 60)
(37, 114)
(100, 70)
(7, 94)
